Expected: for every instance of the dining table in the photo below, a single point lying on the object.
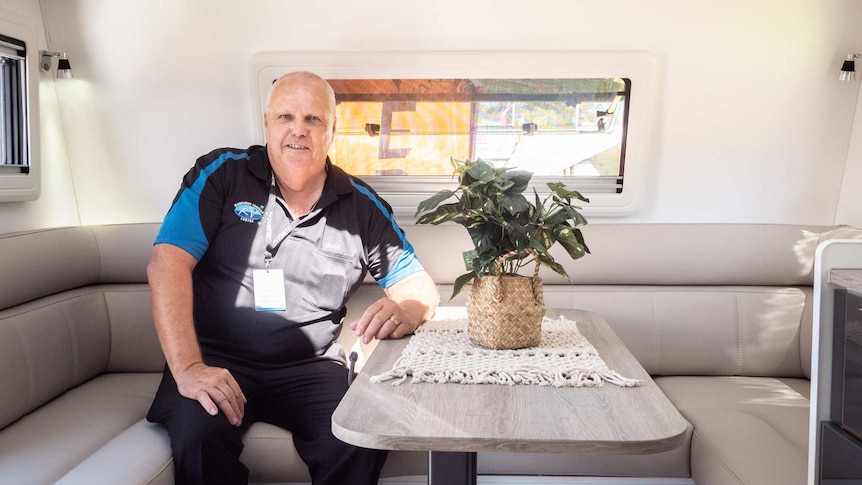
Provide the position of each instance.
(455, 421)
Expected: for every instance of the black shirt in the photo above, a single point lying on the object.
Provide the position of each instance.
(217, 216)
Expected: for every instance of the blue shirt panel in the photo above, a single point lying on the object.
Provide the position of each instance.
(182, 225)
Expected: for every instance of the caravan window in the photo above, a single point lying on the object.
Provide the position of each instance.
(14, 157)
(573, 128)
(585, 118)
(19, 117)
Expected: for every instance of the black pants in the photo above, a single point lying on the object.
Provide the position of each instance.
(300, 399)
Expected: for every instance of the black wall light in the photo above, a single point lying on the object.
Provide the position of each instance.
(848, 69)
(64, 69)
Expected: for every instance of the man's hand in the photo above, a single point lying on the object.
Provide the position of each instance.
(384, 319)
(407, 305)
(214, 388)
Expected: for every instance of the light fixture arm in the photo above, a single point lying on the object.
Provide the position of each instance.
(45, 59)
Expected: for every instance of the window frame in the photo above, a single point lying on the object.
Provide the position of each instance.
(22, 181)
(13, 102)
(405, 192)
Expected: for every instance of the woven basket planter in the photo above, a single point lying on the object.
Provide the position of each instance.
(505, 312)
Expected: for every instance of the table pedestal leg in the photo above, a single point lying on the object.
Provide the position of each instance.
(451, 468)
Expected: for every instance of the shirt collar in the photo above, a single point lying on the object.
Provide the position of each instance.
(259, 163)
(337, 181)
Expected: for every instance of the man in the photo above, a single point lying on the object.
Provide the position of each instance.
(249, 276)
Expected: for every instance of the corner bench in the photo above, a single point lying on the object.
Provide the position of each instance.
(719, 314)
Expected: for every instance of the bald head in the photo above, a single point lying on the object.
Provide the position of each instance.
(299, 124)
(302, 80)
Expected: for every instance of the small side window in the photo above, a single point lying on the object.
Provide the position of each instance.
(19, 175)
(14, 156)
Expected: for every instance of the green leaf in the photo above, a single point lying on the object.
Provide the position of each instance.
(485, 236)
(469, 257)
(514, 203)
(581, 241)
(539, 212)
(574, 215)
(517, 233)
(503, 184)
(560, 190)
(480, 171)
(567, 238)
(444, 213)
(542, 239)
(485, 264)
(558, 215)
(433, 201)
(556, 267)
(520, 179)
(461, 281)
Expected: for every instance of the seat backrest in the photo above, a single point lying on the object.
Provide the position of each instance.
(74, 303)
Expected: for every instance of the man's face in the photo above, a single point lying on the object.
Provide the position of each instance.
(299, 124)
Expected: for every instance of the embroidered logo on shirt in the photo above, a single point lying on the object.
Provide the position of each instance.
(327, 246)
(248, 212)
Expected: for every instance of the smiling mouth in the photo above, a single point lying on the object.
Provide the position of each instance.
(297, 147)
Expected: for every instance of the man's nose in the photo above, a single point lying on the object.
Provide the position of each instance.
(297, 128)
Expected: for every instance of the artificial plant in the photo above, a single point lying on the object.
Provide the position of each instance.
(491, 205)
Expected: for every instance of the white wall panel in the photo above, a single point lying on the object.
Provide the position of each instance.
(850, 203)
(752, 125)
(56, 205)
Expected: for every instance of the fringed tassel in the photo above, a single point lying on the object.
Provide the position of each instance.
(398, 373)
(614, 378)
(570, 378)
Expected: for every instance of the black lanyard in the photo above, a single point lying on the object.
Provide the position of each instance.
(272, 245)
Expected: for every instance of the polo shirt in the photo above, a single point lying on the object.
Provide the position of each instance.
(218, 217)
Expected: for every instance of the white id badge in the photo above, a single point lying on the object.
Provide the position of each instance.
(269, 293)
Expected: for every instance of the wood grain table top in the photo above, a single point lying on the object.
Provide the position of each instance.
(520, 418)
(848, 278)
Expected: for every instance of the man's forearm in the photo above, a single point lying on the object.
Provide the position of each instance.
(417, 295)
(170, 279)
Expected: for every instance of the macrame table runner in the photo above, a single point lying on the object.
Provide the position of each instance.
(440, 352)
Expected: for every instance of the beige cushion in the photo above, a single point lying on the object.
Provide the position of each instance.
(674, 463)
(43, 446)
(703, 330)
(140, 455)
(48, 346)
(45, 262)
(134, 343)
(660, 254)
(747, 430)
(271, 457)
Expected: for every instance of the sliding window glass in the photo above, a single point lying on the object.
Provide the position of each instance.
(572, 128)
(14, 156)
(19, 118)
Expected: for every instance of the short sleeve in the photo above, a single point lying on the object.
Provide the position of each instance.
(196, 211)
(391, 257)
